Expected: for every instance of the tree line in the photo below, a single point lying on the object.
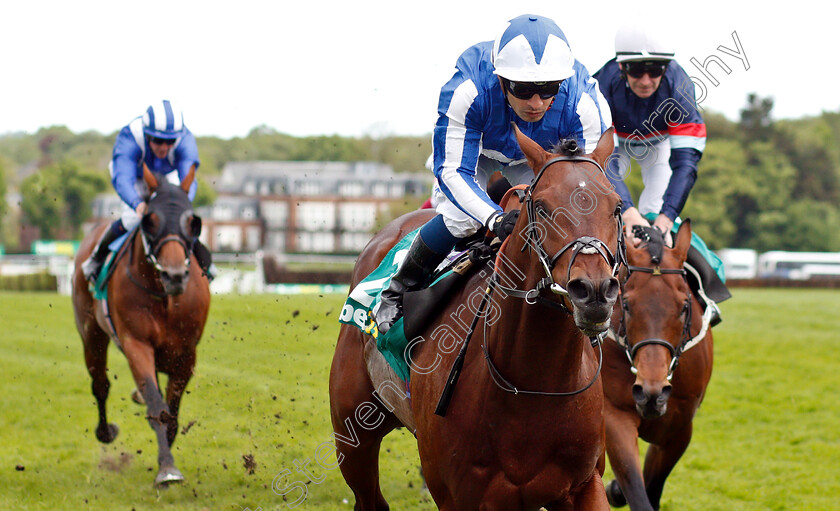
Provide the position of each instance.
(764, 184)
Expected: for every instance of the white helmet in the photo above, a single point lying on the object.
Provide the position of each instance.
(532, 48)
(632, 42)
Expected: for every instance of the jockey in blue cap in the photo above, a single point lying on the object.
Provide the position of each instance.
(159, 139)
(527, 76)
(654, 111)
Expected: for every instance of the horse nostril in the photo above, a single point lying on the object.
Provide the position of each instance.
(663, 397)
(581, 290)
(638, 394)
(609, 290)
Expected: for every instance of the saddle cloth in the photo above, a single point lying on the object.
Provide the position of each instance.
(418, 306)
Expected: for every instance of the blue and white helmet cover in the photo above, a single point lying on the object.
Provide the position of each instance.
(532, 48)
(163, 120)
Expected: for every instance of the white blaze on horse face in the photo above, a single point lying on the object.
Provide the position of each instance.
(582, 184)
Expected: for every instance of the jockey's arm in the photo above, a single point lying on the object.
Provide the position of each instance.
(683, 176)
(124, 168)
(456, 178)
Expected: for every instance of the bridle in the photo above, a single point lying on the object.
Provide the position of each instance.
(676, 352)
(583, 244)
(152, 247)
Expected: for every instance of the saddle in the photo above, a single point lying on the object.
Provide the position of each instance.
(118, 249)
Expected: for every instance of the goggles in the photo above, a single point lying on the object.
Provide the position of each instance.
(526, 90)
(652, 68)
(162, 141)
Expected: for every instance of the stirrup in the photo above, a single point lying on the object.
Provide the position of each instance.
(211, 273)
(715, 318)
(91, 269)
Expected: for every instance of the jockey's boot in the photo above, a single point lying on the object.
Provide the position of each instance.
(707, 279)
(205, 261)
(418, 265)
(93, 264)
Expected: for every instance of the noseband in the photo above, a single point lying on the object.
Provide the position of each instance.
(151, 253)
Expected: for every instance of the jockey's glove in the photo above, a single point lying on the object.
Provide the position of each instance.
(503, 224)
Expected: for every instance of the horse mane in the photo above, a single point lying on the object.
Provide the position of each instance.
(568, 147)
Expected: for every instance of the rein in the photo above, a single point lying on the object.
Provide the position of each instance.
(507, 386)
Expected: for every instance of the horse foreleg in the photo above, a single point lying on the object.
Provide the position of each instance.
(96, 359)
(659, 462)
(623, 451)
(174, 391)
(141, 360)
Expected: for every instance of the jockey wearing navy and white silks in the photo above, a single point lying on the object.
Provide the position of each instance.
(473, 136)
(527, 76)
(662, 129)
(664, 133)
(656, 121)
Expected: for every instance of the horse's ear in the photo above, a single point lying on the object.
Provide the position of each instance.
(605, 147)
(149, 178)
(535, 154)
(188, 180)
(683, 239)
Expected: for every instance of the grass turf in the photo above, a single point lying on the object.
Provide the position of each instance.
(766, 438)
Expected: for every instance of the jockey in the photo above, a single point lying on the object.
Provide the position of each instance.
(160, 139)
(528, 76)
(657, 124)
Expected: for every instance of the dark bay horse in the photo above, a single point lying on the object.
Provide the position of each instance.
(656, 375)
(525, 426)
(157, 307)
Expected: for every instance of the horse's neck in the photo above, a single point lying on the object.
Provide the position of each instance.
(530, 336)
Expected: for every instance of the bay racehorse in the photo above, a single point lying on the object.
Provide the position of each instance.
(655, 375)
(155, 311)
(525, 426)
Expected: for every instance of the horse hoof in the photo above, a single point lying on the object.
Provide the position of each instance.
(137, 397)
(167, 476)
(107, 435)
(614, 495)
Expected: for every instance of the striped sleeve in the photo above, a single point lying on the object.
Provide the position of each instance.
(457, 145)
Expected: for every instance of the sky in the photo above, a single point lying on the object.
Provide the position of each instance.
(364, 67)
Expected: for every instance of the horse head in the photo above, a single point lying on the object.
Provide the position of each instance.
(169, 228)
(656, 315)
(570, 223)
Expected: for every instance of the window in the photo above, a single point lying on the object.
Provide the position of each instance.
(228, 238)
(315, 242)
(351, 189)
(316, 216)
(357, 216)
(275, 213)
